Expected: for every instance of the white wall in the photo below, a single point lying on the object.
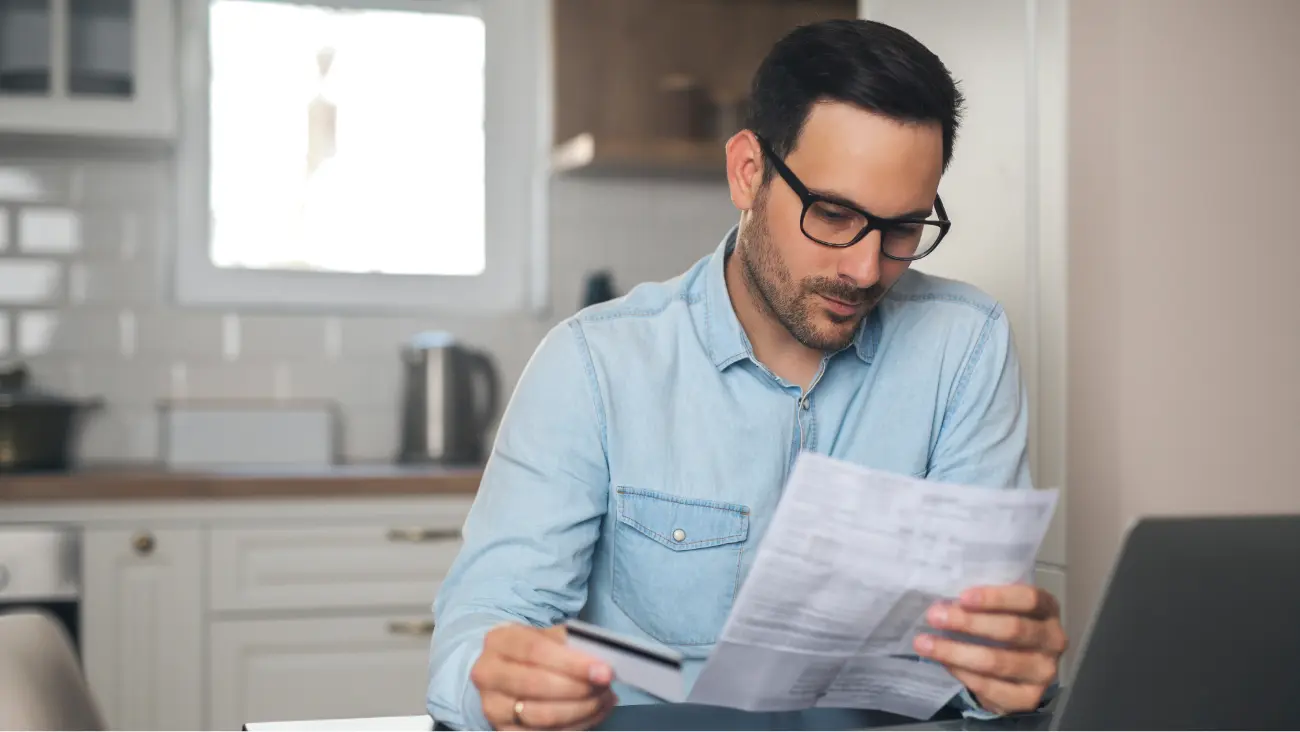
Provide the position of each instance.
(1184, 330)
(1005, 193)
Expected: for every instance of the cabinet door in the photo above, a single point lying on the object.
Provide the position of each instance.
(312, 567)
(88, 68)
(142, 624)
(315, 668)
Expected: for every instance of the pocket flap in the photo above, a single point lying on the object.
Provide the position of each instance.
(681, 523)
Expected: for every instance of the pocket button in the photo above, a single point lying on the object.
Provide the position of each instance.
(679, 536)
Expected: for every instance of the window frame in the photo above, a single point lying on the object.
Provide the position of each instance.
(518, 132)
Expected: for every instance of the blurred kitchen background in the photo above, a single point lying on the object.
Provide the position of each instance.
(278, 237)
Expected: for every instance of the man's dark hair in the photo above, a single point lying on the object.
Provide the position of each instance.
(870, 65)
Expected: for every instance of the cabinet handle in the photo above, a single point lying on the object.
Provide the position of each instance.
(143, 543)
(422, 535)
(411, 627)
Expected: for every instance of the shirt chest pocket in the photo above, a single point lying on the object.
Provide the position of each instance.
(677, 563)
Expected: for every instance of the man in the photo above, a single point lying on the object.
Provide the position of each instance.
(646, 445)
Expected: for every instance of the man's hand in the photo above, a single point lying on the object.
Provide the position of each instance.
(529, 679)
(1026, 619)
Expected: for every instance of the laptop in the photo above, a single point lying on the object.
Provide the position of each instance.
(1199, 628)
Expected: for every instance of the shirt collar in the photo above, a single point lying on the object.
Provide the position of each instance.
(727, 340)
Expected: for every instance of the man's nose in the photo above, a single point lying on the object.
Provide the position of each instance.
(861, 262)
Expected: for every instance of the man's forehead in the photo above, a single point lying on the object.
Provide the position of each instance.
(886, 166)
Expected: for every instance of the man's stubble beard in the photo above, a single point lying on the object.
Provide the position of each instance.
(795, 305)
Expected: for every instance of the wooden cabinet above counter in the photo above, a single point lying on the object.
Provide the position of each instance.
(655, 87)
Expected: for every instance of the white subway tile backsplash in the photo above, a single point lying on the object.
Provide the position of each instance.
(370, 435)
(55, 372)
(133, 384)
(367, 381)
(230, 340)
(86, 333)
(29, 281)
(127, 329)
(110, 234)
(123, 182)
(288, 336)
(49, 230)
(35, 183)
(36, 331)
(77, 277)
(230, 380)
(119, 434)
(178, 381)
(179, 333)
(380, 336)
(110, 282)
(333, 339)
(121, 338)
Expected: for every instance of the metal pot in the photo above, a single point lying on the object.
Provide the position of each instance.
(37, 430)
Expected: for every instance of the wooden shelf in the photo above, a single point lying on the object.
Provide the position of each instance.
(587, 155)
(652, 87)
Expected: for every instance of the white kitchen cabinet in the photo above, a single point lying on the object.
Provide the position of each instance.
(102, 69)
(341, 566)
(317, 667)
(142, 618)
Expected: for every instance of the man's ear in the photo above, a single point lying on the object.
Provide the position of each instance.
(744, 169)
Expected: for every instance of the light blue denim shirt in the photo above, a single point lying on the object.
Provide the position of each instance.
(648, 416)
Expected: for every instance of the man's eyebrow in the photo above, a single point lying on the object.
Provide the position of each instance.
(847, 203)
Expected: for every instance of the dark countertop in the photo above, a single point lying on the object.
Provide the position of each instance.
(154, 482)
(667, 717)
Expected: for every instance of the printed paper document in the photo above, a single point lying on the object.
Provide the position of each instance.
(839, 588)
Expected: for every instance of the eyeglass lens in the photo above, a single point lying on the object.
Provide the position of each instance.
(836, 225)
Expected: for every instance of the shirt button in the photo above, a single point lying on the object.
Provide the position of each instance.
(804, 404)
(679, 535)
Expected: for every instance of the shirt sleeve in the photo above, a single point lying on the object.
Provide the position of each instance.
(983, 438)
(528, 539)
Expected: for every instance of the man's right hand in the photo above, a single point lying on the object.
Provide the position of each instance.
(529, 678)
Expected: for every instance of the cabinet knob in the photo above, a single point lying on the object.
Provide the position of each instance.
(143, 543)
(411, 627)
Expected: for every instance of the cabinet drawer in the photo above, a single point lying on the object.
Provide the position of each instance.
(345, 566)
(316, 668)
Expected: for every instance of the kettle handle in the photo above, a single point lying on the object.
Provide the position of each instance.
(480, 362)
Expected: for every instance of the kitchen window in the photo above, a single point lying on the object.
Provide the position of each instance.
(382, 155)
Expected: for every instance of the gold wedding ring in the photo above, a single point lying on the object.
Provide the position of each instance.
(519, 714)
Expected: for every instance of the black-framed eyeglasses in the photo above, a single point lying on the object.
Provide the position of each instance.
(837, 223)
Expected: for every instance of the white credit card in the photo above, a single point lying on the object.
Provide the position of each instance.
(653, 669)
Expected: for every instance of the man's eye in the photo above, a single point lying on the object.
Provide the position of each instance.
(833, 213)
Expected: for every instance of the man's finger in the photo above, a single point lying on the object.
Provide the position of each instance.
(547, 649)
(559, 714)
(521, 681)
(1021, 599)
(999, 696)
(1013, 665)
(608, 701)
(1020, 631)
(499, 710)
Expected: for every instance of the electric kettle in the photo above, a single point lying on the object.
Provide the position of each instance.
(450, 400)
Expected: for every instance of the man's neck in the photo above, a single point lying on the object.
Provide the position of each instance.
(773, 345)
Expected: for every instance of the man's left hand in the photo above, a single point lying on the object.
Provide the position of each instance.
(1024, 619)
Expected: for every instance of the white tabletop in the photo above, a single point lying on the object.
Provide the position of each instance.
(422, 722)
